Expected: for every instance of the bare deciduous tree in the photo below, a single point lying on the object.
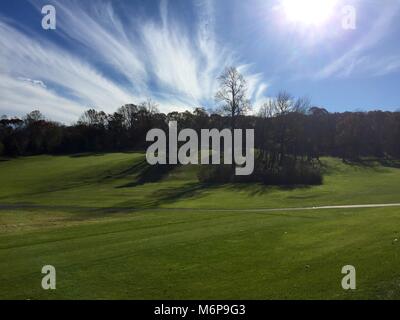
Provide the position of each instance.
(129, 115)
(233, 94)
(34, 116)
(284, 104)
(93, 117)
(150, 106)
(268, 109)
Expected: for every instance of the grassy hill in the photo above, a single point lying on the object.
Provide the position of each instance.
(111, 234)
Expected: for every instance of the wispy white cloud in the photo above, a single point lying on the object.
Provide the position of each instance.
(41, 60)
(147, 58)
(358, 59)
(33, 82)
(260, 97)
(256, 85)
(100, 30)
(19, 97)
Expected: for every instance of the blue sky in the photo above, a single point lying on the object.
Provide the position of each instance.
(105, 54)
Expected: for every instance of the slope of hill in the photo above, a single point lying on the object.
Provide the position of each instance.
(111, 234)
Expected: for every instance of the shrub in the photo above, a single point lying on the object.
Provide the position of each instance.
(301, 173)
(292, 172)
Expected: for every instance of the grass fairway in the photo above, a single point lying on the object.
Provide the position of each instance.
(111, 237)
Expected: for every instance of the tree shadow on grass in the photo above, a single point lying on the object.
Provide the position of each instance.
(374, 164)
(187, 191)
(146, 174)
(132, 170)
(160, 197)
(86, 154)
(259, 189)
(390, 163)
(198, 190)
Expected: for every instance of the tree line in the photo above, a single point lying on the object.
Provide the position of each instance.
(309, 133)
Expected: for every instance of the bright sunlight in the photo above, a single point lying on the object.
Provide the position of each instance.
(310, 12)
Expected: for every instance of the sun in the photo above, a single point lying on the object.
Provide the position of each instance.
(308, 12)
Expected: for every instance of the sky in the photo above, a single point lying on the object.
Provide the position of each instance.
(104, 54)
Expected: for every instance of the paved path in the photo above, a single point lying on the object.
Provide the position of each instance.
(357, 206)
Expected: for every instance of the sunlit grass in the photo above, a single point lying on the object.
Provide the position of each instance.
(111, 238)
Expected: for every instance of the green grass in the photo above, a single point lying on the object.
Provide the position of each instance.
(111, 238)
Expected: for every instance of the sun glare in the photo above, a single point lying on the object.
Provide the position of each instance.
(310, 12)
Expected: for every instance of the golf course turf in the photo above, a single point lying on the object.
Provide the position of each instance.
(111, 235)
